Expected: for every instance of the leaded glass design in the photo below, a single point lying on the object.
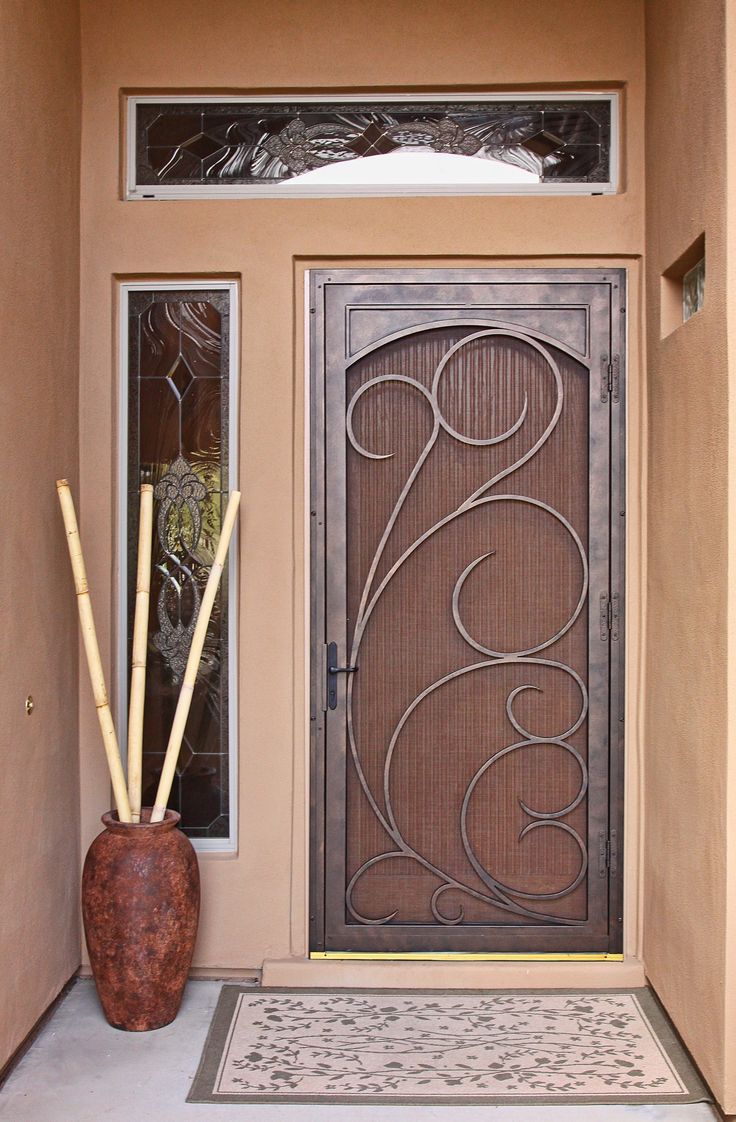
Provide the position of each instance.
(693, 290)
(253, 143)
(178, 393)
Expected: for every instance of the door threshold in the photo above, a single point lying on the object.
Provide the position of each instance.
(453, 971)
(459, 956)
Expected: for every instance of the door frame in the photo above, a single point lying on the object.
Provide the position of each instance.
(613, 385)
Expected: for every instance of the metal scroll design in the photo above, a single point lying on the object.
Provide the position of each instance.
(179, 525)
(495, 892)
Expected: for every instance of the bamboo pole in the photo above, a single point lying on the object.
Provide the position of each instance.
(195, 653)
(92, 650)
(140, 651)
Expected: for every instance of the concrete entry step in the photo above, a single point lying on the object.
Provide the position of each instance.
(81, 1070)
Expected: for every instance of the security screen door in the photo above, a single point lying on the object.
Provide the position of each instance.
(467, 610)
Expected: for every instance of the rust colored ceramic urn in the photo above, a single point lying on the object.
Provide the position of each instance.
(140, 902)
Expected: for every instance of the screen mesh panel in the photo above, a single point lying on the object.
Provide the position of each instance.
(468, 711)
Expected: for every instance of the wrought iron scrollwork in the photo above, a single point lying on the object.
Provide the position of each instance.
(505, 897)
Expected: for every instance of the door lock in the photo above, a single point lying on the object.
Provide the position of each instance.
(332, 671)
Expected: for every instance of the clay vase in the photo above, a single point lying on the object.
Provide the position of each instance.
(140, 903)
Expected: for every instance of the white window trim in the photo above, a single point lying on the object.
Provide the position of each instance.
(227, 845)
(141, 192)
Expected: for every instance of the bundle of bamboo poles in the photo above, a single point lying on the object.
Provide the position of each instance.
(128, 794)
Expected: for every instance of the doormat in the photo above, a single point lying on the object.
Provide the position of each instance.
(497, 1046)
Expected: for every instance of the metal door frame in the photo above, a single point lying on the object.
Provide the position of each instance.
(607, 373)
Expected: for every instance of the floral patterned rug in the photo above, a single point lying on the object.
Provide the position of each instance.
(552, 1046)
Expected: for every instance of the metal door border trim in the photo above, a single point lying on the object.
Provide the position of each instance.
(314, 607)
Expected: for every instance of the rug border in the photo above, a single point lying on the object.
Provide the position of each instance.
(202, 1089)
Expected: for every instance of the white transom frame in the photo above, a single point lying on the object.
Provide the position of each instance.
(291, 190)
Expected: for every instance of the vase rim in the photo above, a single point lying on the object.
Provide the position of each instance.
(112, 823)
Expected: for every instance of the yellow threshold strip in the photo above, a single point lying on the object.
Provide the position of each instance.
(448, 956)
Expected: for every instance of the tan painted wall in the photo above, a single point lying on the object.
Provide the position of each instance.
(688, 386)
(254, 904)
(39, 317)
(729, 1082)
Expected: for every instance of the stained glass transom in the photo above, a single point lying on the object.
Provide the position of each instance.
(178, 406)
(249, 143)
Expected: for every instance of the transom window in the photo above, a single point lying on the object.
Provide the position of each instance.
(474, 144)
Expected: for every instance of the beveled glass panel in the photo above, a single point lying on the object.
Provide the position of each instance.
(178, 392)
(267, 143)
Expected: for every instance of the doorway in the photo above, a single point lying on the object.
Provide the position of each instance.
(467, 610)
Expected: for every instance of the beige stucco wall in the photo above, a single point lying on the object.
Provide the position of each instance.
(729, 1038)
(39, 318)
(687, 746)
(254, 905)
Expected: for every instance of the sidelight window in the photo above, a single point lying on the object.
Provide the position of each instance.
(178, 389)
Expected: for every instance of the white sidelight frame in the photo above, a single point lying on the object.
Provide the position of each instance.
(227, 845)
(134, 191)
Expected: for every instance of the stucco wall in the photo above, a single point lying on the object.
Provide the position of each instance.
(686, 733)
(730, 948)
(254, 904)
(39, 317)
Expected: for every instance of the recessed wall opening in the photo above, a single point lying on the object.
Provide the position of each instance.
(683, 287)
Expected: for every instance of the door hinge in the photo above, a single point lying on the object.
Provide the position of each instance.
(608, 853)
(613, 853)
(610, 377)
(605, 617)
(609, 616)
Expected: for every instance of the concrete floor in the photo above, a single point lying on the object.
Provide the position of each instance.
(81, 1070)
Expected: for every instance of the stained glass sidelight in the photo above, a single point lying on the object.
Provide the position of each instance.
(178, 419)
(181, 142)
